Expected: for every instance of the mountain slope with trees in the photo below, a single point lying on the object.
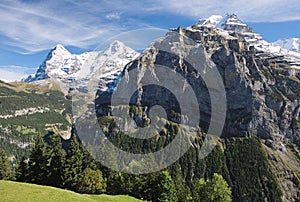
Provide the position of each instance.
(29, 109)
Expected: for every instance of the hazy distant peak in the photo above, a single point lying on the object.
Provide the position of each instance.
(292, 44)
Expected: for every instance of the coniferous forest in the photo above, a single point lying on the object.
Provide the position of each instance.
(236, 170)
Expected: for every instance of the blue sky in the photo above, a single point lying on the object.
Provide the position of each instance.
(28, 29)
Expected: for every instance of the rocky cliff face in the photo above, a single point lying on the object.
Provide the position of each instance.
(262, 85)
(261, 81)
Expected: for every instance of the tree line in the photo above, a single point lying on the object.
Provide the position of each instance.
(75, 169)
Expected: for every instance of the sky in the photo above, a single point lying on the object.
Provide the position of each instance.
(30, 28)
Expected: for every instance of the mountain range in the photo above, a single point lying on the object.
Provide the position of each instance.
(261, 80)
(65, 67)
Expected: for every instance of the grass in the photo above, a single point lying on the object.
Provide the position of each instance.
(25, 130)
(16, 191)
(29, 87)
(109, 198)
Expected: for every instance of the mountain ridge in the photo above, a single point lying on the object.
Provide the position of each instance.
(230, 24)
(76, 69)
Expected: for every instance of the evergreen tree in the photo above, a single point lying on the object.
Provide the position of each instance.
(214, 190)
(183, 191)
(251, 174)
(56, 160)
(22, 171)
(116, 183)
(38, 160)
(214, 162)
(73, 164)
(5, 170)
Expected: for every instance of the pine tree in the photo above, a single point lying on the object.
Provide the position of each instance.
(5, 170)
(22, 171)
(37, 165)
(116, 182)
(73, 164)
(56, 160)
(183, 191)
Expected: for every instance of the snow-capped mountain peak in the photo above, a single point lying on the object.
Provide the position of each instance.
(292, 44)
(215, 20)
(51, 65)
(67, 68)
(114, 47)
(58, 51)
(231, 26)
(108, 65)
(229, 22)
(59, 48)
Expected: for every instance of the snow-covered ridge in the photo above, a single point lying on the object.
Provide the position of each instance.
(225, 25)
(292, 44)
(59, 63)
(76, 69)
(215, 20)
(112, 62)
(229, 22)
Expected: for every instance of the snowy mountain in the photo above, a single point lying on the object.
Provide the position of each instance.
(228, 22)
(106, 66)
(68, 69)
(59, 62)
(230, 25)
(292, 44)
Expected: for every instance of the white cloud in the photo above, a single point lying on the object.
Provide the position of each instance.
(14, 73)
(250, 11)
(38, 25)
(113, 16)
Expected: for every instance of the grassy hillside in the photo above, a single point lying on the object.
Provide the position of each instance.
(15, 191)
